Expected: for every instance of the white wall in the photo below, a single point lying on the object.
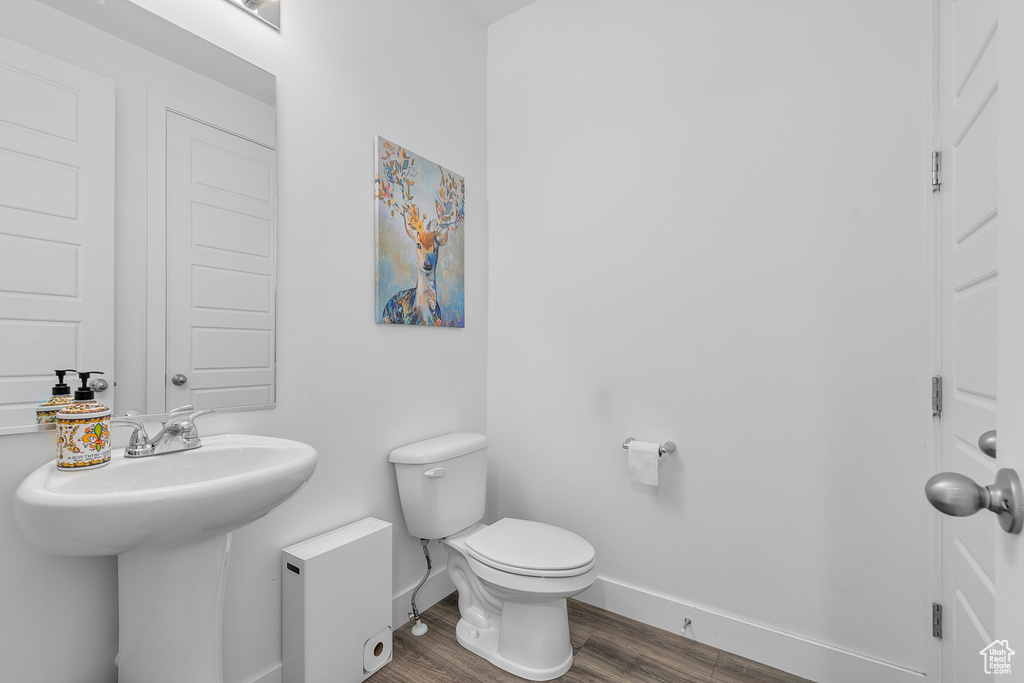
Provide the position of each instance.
(709, 225)
(346, 72)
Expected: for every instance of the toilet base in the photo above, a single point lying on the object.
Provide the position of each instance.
(549, 651)
(486, 645)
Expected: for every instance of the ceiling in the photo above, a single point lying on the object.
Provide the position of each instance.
(490, 11)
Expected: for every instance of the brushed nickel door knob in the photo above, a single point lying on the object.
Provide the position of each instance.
(960, 496)
(987, 443)
(179, 380)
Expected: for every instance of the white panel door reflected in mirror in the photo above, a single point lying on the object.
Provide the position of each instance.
(221, 279)
(56, 226)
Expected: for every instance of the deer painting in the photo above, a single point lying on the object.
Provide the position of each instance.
(396, 192)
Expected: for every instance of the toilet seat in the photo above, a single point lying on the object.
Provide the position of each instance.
(526, 548)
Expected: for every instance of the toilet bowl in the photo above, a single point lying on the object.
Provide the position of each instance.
(512, 604)
(513, 576)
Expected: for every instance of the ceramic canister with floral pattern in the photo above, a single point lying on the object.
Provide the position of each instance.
(83, 431)
(47, 412)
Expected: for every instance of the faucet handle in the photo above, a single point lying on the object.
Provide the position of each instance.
(173, 415)
(139, 443)
(128, 421)
(187, 425)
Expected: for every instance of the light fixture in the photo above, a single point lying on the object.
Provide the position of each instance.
(268, 11)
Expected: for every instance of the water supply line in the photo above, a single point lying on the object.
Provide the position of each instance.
(419, 628)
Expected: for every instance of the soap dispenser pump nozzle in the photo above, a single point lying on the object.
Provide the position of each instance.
(60, 388)
(85, 392)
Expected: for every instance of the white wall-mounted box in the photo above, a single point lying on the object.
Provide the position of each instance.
(336, 591)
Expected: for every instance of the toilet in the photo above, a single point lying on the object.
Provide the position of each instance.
(513, 576)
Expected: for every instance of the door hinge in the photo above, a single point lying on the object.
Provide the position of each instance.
(936, 171)
(937, 620)
(937, 395)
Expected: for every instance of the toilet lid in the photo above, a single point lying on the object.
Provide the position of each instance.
(531, 546)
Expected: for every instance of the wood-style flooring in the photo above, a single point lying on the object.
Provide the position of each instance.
(608, 648)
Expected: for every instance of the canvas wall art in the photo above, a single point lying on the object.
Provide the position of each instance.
(420, 219)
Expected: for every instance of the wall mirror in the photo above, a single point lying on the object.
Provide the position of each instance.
(138, 185)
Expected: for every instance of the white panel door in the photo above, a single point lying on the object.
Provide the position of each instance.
(221, 279)
(969, 223)
(56, 226)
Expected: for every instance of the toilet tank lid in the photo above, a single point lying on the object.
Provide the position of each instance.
(439, 448)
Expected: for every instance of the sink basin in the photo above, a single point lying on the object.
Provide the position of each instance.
(230, 481)
(169, 519)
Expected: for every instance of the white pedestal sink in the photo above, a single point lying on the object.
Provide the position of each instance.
(169, 520)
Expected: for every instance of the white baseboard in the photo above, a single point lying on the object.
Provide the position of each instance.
(437, 586)
(271, 675)
(793, 654)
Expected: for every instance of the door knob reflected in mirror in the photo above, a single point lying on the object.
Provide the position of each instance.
(98, 384)
(179, 380)
(960, 496)
(987, 443)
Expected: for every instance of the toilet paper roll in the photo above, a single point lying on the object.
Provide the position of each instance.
(643, 462)
(377, 651)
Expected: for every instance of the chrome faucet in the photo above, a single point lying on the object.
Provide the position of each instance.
(178, 434)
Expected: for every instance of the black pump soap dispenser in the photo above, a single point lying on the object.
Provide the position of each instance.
(83, 430)
(60, 396)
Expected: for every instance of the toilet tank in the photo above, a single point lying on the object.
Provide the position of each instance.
(442, 483)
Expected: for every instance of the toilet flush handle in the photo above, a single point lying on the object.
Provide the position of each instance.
(434, 473)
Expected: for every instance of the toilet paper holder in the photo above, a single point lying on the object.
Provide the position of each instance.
(667, 447)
